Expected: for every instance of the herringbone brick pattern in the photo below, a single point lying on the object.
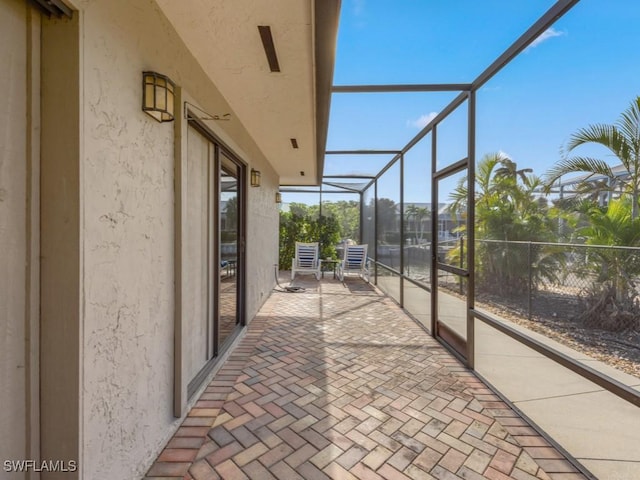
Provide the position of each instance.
(337, 382)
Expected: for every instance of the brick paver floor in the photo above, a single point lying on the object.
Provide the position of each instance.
(337, 382)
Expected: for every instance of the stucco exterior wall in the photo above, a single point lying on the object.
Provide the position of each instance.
(13, 208)
(127, 215)
(263, 240)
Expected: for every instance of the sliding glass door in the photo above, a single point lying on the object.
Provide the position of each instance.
(214, 253)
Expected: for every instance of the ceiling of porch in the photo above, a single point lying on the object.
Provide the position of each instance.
(275, 107)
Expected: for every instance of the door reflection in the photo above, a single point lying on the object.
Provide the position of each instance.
(229, 228)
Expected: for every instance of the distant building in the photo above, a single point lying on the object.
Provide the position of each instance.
(565, 188)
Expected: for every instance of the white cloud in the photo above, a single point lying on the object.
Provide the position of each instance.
(422, 121)
(546, 35)
(358, 7)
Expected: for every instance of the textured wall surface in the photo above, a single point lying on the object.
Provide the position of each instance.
(127, 178)
(13, 180)
(126, 217)
(262, 241)
(128, 220)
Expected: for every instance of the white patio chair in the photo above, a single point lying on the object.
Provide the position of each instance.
(354, 261)
(306, 260)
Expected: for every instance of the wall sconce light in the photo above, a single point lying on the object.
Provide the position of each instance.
(157, 96)
(255, 178)
(278, 197)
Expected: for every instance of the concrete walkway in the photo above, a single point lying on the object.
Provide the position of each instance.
(599, 429)
(337, 382)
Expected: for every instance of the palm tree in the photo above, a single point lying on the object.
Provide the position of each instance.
(509, 169)
(612, 298)
(614, 227)
(508, 210)
(484, 185)
(415, 216)
(410, 214)
(623, 140)
(419, 215)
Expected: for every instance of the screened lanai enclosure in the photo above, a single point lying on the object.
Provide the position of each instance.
(465, 235)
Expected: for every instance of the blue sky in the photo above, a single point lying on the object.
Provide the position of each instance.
(585, 70)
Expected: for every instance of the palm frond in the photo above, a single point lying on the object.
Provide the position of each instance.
(600, 133)
(508, 168)
(532, 182)
(484, 170)
(458, 197)
(629, 125)
(609, 136)
(589, 165)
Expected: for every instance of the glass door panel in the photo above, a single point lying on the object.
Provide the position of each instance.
(197, 291)
(449, 239)
(229, 210)
(452, 309)
(212, 253)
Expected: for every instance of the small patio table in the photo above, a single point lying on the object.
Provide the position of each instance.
(329, 264)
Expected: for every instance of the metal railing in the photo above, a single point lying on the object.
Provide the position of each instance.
(533, 279)
(554, 279)
(538, 280)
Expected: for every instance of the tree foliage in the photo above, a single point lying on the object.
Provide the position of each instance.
(508, 209)
(388, 218)
(611, 301)
(613, 226)
(417, 223)
(303, 224)
(347, 214)
(623, 140)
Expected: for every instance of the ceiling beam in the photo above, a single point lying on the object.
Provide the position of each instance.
(326, 16)
(538, 28)
(433, 87)
(362, 152)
